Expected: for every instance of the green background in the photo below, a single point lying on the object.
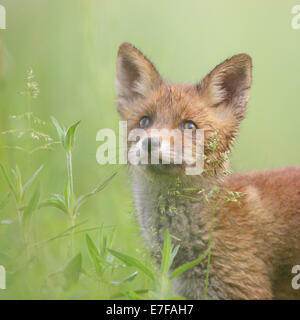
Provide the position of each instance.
(72, 45)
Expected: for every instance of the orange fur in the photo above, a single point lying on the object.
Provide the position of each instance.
(256, 238)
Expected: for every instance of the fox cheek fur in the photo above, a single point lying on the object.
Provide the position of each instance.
(256, 238)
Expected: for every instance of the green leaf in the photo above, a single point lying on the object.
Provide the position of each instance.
(94, 254)
(64, 233)
(132, 262)
(188, 266)
(103, 246)
(103, 243)
(173, 255)
(69, 274)
(110, 239)
(166, 254)
(59, 129)
(106, 242)
(129, 278)
(72, 270)
(18, 183)
(32, 205)
(30, 180)
(8, 180)
(82, 199)
(70, 136)
(56, 201)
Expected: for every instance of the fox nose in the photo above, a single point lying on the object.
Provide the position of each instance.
(150, 144)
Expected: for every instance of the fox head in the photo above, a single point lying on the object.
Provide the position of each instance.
(217, 104)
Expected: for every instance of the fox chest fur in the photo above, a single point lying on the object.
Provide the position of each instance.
(162, 206)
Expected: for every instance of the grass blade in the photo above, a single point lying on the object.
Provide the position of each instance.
(62, 234)
(19, 185)
(28, 183)
(8, 180)
(59, 129)
(129, 278)
(132, 262)
(173, 255)
(188, 266)
(32, 205)
(94, 254)
(166, 254)
(82, 199)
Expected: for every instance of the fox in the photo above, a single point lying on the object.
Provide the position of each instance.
(250, 221)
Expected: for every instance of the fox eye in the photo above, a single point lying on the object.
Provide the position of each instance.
(189, 125)
(144, 123)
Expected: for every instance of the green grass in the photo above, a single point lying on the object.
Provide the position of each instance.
(72, 275)
(71, 47)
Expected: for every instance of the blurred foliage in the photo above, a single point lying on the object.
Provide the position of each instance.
(71, 46)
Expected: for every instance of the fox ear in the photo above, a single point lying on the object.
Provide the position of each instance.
(227, 87)
(136, 75)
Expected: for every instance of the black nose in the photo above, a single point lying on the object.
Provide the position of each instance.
(150, 144)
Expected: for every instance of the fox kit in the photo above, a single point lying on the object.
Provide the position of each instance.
(250, 221)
